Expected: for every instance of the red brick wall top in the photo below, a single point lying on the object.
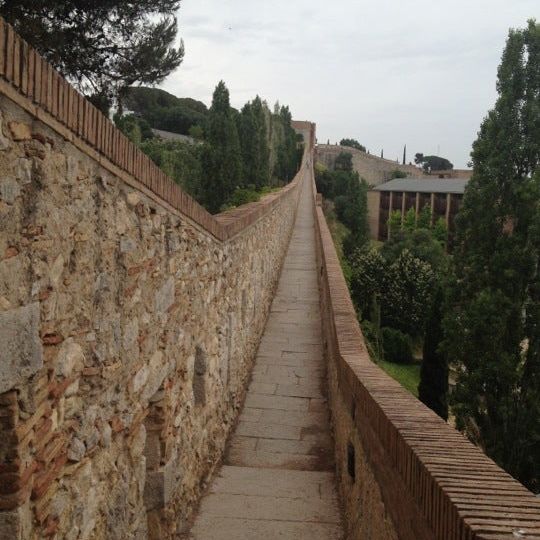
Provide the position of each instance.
(30, 81)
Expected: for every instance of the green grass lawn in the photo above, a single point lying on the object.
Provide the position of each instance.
(408, 375)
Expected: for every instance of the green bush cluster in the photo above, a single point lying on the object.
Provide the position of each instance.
(236, 155)
(397, 346)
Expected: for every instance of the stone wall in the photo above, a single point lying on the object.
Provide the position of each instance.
(403, 473)
(129, 319)
(372, 168)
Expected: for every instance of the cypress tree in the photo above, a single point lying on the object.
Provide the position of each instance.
(249, 143)
(221, 156)
(253, 133)
(493, 333)
(433, 387)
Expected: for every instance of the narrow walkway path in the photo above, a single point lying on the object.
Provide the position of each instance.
(278, 481)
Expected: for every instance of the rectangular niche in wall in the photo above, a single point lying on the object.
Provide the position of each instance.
(199, 377)
(351, 461)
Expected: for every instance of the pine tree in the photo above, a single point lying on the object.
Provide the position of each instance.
(102, 47)
(433, 387)
(492, 332)
(221, 159)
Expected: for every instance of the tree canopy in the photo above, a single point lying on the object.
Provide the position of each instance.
(221, 159)
(165, 111)
(492, 332)
(344, 162)
(433, 163)
(352, 143)
(101, 47)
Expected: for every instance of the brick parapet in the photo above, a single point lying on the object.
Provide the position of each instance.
(431, 481)
(30, 81)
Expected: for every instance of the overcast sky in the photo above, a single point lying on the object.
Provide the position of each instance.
(385, 72)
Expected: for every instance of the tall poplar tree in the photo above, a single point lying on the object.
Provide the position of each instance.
(254, 144)
(221, 157)
(492, 332)
(433, 387)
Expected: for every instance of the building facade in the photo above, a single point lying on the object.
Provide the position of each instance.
(443, 196)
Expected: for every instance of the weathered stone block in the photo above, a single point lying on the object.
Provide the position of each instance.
(4, 141)
(12, 525)
(21, 352)
(165, 296)
(70, 358)
(9, 190)
(159, 487)
(20, 131)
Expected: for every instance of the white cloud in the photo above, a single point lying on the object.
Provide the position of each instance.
(387, 72)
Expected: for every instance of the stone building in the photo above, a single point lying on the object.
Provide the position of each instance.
(444, 196)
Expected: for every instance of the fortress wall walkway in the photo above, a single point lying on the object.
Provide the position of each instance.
(277, 480)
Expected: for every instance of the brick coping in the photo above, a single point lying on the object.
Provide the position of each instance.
(31, 82)
(459, 491)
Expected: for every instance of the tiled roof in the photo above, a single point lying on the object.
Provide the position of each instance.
(425, 185)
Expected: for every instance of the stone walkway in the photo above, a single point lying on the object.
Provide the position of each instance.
(277, 481)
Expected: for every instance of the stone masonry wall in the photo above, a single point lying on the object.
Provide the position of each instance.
(372, 168)
(127, 332)
(404, 473)
(136, 330)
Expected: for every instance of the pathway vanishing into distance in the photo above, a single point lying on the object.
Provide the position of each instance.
(277, 481)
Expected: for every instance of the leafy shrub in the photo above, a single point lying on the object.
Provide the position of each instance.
(397, 174)
(407, 296)
(243, 196)
(397, 346)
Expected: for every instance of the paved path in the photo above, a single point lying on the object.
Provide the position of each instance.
(277, 481)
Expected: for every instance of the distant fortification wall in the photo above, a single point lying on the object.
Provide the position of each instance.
(373, 169)
(129, 319)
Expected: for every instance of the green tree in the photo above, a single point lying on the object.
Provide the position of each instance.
(408, 293)
(164, 111)
(286, 162)
(368, 279)
(440, 231)
(424, 217)
(433, 163)
(397, 174)
(492, 331)
(421, 243)
(196, 132)
(397, 346)
(355, 214)
(403, 289)
(254, 144)
(102, 47)
(344, 162)
(433, 387)
(181, 161)
(221, 156)
(352, 143)
(409, 220)
(394, 222)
